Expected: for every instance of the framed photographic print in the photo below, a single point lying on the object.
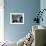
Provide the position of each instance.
(16, 18)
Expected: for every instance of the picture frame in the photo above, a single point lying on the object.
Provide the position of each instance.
(16, 18)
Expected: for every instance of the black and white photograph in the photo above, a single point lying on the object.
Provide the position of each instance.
(16, 18)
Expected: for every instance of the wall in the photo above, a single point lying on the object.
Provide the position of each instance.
(43, 6)
(29, 8)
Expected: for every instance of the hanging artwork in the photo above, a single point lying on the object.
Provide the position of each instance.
(16, 18)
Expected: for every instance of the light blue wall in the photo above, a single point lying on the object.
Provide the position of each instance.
(43, 6)
(29, 8)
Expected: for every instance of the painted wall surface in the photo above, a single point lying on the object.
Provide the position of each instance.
(43, 6)
(29, 8)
